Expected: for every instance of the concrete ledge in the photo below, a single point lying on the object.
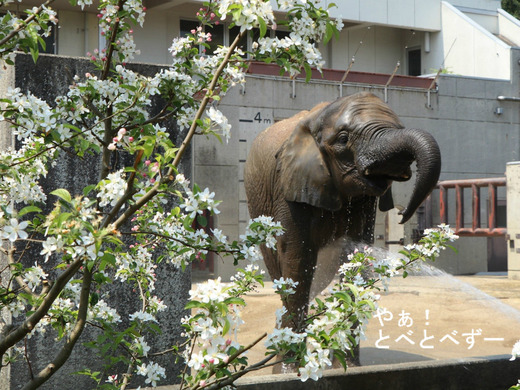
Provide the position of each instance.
(486, 373)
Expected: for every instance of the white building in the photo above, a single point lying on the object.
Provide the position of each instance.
(466, 37)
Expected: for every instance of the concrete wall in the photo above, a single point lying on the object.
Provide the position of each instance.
(509, 27)
(420, 14)
(46, 80)
(475, 142)
(470, 49)
(381, 48)
(489, 373)
(513, 218)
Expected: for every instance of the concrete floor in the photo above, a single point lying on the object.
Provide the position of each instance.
(453, 317)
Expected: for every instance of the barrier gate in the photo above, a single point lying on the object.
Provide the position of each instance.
(473, 209)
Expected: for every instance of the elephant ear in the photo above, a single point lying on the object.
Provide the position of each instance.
(303, 173)
(386, 201)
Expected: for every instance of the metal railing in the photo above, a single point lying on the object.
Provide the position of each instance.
(476, 230)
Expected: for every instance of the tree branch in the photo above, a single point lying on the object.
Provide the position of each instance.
(28, 325)
(25, 23)
(66, 350)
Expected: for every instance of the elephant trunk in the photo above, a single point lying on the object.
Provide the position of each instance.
(392, 156)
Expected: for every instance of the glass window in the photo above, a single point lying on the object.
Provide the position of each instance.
(233, 32)
(186, 26)
(280, 34)
(217, 38)
(50, 42)
(414, 62)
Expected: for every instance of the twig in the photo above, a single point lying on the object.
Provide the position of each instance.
(28, 325)
(231, 359)
(127, 376)
(25, 23)
(111, 41)
(185, 243)
(26, 357)
(183, 375)
(71, 340)
(221, 382)
(18, 278)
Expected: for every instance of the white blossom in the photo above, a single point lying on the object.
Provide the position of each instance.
(515, 351)
(112, 189)
(142, 316)
(212, 290)
(33, 276)
(152, 371)
(15, 230)
(219, 121)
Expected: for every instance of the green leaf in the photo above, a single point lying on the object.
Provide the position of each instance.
(90, 264)
(34, 54)
(263, 27)
(149, 146)
(226, 328)
(202, 221)
(343, 296)
(234, 301)
(107, 259)
(63, 194)
(193, 305)
(308, 72)
(340, 356)
(72, 127)
(87, 189)
(42, 42)
(329, 32)
(29, 209)
(94, 298)
(452, 248)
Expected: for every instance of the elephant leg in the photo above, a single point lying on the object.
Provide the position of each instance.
(301, 271)
(329, 260)
(298, 262)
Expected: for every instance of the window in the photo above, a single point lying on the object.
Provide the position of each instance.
(414, 62)
(222, 35)
(50, 41)
(233, 32)
(217, 38)
(186, 26)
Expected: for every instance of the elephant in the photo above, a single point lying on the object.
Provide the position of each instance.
(320, 174)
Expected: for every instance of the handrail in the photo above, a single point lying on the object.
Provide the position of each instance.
(476, 230)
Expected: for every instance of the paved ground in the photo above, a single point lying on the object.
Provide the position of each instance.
(452, 317)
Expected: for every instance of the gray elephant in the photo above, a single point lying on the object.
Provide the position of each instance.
(320, 174)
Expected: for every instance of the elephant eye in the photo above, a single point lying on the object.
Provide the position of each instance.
(343, 138)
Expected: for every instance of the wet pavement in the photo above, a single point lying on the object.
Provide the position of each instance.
(424, 318)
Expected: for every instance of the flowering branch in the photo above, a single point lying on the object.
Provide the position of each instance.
(71, 340)
(28, 325)
(25, 23)
(169, 175)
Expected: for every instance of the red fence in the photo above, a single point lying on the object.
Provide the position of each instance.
(476, 230)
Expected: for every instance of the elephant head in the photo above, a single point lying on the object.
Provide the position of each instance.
(355, 146)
